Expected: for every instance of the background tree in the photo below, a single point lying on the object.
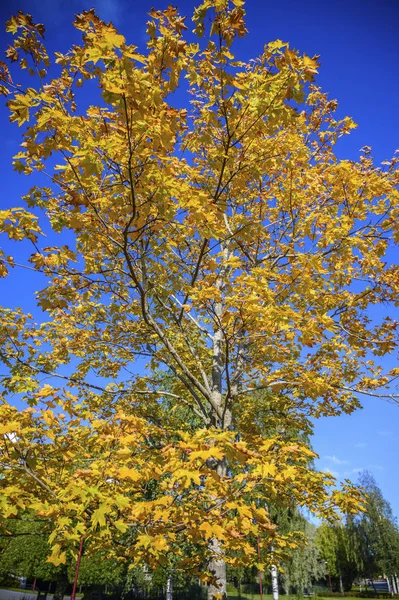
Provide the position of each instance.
(365, 546)
(24, 551)
(377, 534)
(306, 565)
(338, 551)
(223, 241)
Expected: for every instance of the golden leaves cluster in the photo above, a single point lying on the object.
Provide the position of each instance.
(222, 242)
(123, 481)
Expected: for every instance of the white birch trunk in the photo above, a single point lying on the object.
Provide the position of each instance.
(341, 585)
(389, 585)
(274, 576)
(169, 588)
(394, 585)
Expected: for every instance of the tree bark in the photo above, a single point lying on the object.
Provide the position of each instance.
(372, 583)
(61, 585)
(218, 569)
(217, 566)
(274, 576)
(389, 585)
(394, 585)
(169, 588)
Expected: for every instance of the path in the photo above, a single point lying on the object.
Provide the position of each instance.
(24, 595)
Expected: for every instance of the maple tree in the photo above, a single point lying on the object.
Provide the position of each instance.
(223, 243)
(140, 493)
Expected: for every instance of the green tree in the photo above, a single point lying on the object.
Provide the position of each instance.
(377, 533)
(337, 548)
(24, 550)
(306, 565)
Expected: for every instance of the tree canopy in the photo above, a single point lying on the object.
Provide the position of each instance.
(219, 245)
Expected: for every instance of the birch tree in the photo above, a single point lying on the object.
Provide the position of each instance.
(378, 534)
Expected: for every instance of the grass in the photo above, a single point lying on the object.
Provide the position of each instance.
(234, 596)
(250, 596)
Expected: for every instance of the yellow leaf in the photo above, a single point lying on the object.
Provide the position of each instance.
(127, 473)
(121, 526)
(57, 557)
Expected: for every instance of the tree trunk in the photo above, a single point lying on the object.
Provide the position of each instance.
(218, 570)
(169, 588)
(372, 583)
(61, 585)
(394, 588)
(274, 576)
(223, 420)
(286, 585)
(217, 566)
(341, 585)
(389, 585)
(394, 585)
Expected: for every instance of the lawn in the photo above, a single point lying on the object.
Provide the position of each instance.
(234, 596)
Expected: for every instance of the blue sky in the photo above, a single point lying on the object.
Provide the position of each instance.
(357, 41)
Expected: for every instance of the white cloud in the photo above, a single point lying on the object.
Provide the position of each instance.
(385, 433)
(354, 471)
(357, 470)
(335, 460)
(331, 472)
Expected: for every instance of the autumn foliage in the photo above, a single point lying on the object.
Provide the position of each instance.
(217, 240)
